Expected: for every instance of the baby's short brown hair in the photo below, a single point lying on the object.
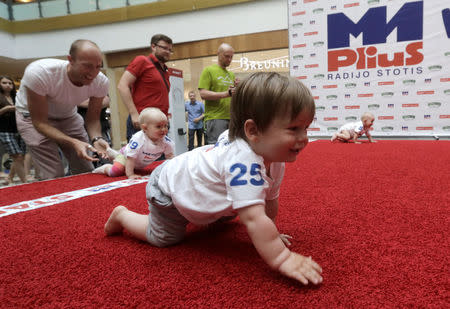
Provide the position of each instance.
(265, 96)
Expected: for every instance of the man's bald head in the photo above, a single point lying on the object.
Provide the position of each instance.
(80, 45)
(225, 55)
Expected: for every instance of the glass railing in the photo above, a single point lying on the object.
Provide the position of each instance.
(55, 8)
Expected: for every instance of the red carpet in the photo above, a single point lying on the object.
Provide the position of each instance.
(374, 216)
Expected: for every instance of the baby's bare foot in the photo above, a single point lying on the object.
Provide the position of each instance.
(113, 226)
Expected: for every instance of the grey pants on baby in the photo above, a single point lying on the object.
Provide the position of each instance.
(166, 226)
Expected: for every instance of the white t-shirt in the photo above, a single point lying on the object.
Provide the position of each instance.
(145, 151)
(354, 127)
(210, 182)
(48, 77)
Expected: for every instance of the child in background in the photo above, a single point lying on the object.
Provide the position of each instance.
(353, 130)
(270, 114)
(144, 147)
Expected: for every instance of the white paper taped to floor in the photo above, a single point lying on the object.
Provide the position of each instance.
(66, 196)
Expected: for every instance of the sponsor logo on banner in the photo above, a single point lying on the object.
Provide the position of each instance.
(385, 117)
(425, 92)
(385, 83)
(375, 28)
(434, 104)
(384, 56)
(365, 95)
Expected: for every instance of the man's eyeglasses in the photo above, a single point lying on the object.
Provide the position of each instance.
(165, 48)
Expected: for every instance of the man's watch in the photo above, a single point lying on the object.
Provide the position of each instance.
(96, 139)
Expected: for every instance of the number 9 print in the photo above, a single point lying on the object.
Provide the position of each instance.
(133, 145)
(238, 180)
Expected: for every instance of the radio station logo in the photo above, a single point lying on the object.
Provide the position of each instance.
(374, 27)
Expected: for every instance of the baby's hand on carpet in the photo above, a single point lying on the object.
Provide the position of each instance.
(285, 238)
(301, 268)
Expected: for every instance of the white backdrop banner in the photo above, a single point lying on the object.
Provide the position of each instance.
(391, 58)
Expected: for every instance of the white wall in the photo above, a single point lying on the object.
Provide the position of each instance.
(7, 43)
(253, 17)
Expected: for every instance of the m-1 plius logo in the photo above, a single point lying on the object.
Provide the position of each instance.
(374, 27)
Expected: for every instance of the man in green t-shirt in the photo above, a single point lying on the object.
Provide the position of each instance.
(216, 86)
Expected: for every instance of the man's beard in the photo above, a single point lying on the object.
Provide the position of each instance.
(161, 58)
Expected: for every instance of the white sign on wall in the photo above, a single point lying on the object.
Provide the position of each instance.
(391, 58)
